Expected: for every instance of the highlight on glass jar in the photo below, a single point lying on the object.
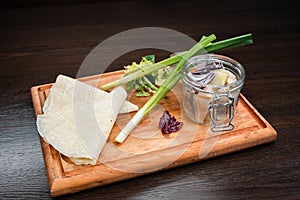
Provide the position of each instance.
(211, 87)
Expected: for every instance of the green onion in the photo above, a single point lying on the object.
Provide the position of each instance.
(224, 44)
(142, 72)
(167, 85)
(203, 46)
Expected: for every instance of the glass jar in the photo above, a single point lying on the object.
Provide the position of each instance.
(212, 104)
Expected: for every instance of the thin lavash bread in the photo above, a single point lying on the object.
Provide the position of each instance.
(77, 118)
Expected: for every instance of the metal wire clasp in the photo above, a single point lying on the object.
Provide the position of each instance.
(221, 111)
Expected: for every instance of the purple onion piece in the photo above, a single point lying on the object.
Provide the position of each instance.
(202, 78)
(209, 78)
(201, 71)
(168, 123)
(208, 68)
(205, 75)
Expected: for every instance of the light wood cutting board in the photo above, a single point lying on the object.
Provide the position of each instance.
(147, 150)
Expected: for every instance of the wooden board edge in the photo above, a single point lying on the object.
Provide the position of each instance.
(269, 127)
(35, 100)
(85, 79)
(51, 166)
(98, 178)
(106, 74)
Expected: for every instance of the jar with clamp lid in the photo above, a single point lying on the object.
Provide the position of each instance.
(211, 88)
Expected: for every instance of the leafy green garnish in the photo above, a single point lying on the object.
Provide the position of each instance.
(161, 75)
(145, 85)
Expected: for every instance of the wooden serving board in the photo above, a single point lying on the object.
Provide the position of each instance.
(146, 150)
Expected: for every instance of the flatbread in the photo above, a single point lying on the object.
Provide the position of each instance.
(126, 108)
(78, 118)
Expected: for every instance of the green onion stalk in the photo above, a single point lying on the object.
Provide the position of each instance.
(139, 72)
(203, 46)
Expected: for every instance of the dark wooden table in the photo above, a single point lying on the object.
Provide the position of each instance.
(40, 41)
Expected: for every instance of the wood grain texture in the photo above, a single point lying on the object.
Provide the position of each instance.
(39, 43)
(138, 155)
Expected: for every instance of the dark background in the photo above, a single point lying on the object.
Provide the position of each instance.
(41, 39)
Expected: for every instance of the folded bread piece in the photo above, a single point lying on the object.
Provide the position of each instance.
(78, 118)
